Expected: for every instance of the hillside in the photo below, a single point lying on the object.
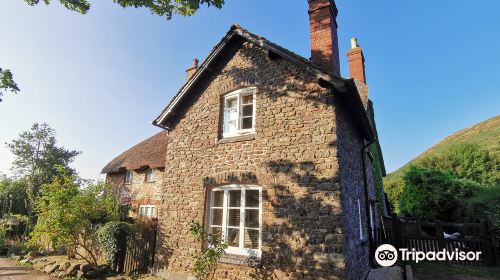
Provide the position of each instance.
(486, 134)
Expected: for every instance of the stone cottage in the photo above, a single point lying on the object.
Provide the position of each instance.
(276, 154)
(137, 175)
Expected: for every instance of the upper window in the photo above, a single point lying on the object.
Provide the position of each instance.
(239, 112)
(148, 211)
(129, 176)
(150, 175)
(235, 216)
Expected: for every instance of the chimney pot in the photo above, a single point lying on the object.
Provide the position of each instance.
(354, 43)
(192, 69)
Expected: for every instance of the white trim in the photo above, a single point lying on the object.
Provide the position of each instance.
(240, 250)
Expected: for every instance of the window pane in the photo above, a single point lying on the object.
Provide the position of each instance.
(252, 198)
(251, 239)
(247, 99)
(233, 237)
(247, 110)
(230, 115)
(247, 123)
(234, 198)
(252, 218)
(217, 198)
(215, 233)
(231, 103)
(216, 217)
(233, 218)
(150, 175)
(230, 127)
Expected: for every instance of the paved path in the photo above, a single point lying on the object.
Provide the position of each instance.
(10, 270)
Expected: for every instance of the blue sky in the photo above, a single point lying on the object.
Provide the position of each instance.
(100, 79)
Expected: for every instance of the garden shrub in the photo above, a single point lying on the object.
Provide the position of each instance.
(113, 237)
(68, 216)
(432, 195)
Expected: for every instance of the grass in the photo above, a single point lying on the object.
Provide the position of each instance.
(439, 271)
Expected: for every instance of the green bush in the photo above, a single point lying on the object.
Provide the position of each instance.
(432, 195)
(68, 216)
(465, 161)
(112, 237)
(485, 200)
(393, 187)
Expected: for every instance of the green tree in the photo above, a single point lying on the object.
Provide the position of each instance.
(13, 196)
(466, 161)
(37, 158)
(69, 215)
(432, 195)
(7, 82)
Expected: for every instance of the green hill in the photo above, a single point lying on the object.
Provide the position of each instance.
(484, 135)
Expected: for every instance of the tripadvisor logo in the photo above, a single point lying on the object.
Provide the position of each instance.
(387, 255)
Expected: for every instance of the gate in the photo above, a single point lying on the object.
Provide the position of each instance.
(139, 252)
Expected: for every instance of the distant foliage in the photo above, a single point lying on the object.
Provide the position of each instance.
(432, 195)
(13, 196)
(466, 161)
(463, 160)
(485, 201)
(112, 237)
(393, 187)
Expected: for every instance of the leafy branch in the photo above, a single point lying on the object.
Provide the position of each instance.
(207, 258)
(165, 8)
(7, 82)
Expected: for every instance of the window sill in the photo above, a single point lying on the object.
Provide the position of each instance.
(238, 138)
(240, 260)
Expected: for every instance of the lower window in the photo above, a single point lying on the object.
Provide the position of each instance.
(148, 211)
(235, 216)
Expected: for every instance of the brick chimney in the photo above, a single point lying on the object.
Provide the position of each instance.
(192, 69)
(324, 39)
(356, 62)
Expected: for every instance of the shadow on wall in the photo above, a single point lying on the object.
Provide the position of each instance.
(306, 237)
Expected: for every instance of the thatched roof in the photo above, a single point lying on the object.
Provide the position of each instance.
(150, 153)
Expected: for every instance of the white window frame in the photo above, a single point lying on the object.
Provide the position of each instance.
(361, 237)
(128, 174)
(148, 212)
(240, 250)
(238, 94)
(150, 175)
